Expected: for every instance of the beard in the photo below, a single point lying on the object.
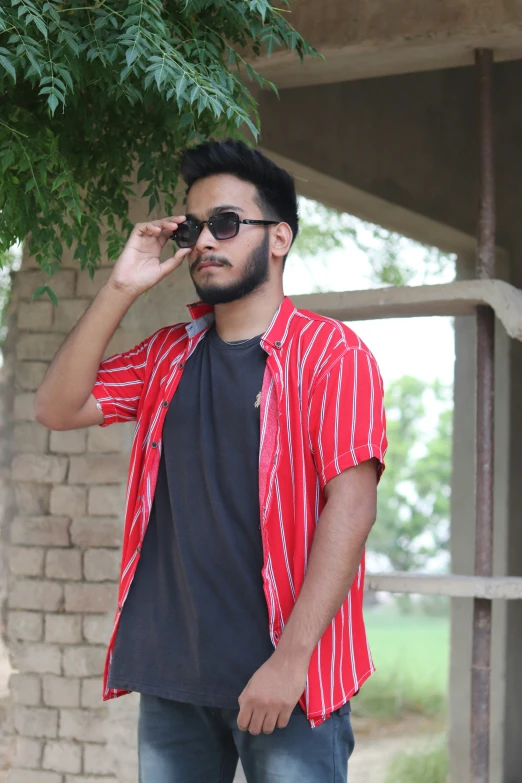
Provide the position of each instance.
(255, 274)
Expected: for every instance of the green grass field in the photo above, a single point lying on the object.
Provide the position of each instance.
(411, 656)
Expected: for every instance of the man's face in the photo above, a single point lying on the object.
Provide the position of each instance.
(226, 270)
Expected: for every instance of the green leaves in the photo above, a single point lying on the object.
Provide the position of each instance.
(94, 92)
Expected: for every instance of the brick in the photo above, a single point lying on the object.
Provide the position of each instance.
(25, 689)
(28, 753)
(29, 375)
(62, 283)
(37, 658)
(68, 313)
(23, 406)
(68, 500)
(35, 315)
(107, 499)
(89, 288)
(32, 499)
(39, 347)
(110, 439)
(61, 691)
(36, 721)
(91, 693)
(43, 531)
(100, 565)
(96, 760)
(25, 626)
(62, 756)
(63, 564)
(86, 661)
(68, 441)
(63, 628)
(96, 469)
(33, 776)
(26, 560)
(36, 594)
(90, 597)
(90, 779)
(30, 436)
(97, 628)
(82, 725)
(41, 468)
(96, 531)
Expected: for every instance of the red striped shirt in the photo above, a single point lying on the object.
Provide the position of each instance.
(321, 412)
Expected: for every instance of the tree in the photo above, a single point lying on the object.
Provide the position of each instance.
(414, 494)
(93, 91)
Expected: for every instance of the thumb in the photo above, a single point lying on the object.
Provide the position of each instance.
(174, 261)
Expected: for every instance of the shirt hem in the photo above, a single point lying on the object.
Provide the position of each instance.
(175, 694)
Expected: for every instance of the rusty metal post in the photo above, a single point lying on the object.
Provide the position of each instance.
(481, 663)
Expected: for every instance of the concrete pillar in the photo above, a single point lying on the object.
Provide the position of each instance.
(463, 538)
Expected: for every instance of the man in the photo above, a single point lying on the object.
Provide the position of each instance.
(259, 441)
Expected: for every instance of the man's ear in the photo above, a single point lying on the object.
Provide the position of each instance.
(281, 240)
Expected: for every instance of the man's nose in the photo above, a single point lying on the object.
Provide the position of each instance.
(206, 241)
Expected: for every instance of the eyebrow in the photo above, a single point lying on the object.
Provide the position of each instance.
(217, 210)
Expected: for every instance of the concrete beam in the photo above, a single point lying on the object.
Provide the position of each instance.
(460, 298)
(370, 39)
(508, 588)
(342, 196)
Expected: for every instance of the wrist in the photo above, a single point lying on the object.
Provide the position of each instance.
(293, 653)
(121, 291)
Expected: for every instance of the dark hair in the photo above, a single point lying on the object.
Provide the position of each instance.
(275, 186)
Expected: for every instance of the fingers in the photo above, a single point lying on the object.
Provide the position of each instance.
(283, 719)
(244, 717)
(174, 261)
(269, 723)
(157, 227)
(256, 722)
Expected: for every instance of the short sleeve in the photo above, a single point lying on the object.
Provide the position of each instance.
(119, 384)
(347, 423)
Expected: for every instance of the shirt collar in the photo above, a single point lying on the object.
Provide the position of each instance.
(203, 316)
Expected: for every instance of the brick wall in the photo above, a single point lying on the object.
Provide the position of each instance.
(63, 521)
(64, 554)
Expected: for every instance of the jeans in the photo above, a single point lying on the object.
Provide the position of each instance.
(186, 743)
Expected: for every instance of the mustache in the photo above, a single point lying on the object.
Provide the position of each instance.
(211, 258)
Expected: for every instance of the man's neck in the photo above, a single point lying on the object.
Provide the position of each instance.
(247, 317)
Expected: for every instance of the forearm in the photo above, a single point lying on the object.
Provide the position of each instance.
(72, 373)
(335, 555)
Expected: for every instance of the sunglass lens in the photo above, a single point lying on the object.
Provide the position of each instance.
(225, 226)
(186, 234)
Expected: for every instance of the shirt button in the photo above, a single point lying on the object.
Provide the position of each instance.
(165, 404)
(138, 549)
(154, 444)
(277, 344)
(120, 607)
(181, 365)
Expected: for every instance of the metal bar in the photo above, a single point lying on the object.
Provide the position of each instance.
(481, 654)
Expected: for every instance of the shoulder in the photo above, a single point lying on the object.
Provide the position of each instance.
(328, 333)
(163, 340)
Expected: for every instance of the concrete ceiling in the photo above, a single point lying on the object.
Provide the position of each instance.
(371, 38)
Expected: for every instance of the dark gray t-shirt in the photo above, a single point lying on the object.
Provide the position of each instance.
(195, 624)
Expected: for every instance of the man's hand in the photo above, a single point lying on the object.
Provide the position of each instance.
(271, 694)
(139, 267)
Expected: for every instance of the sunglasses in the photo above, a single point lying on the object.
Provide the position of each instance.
(222, 226)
